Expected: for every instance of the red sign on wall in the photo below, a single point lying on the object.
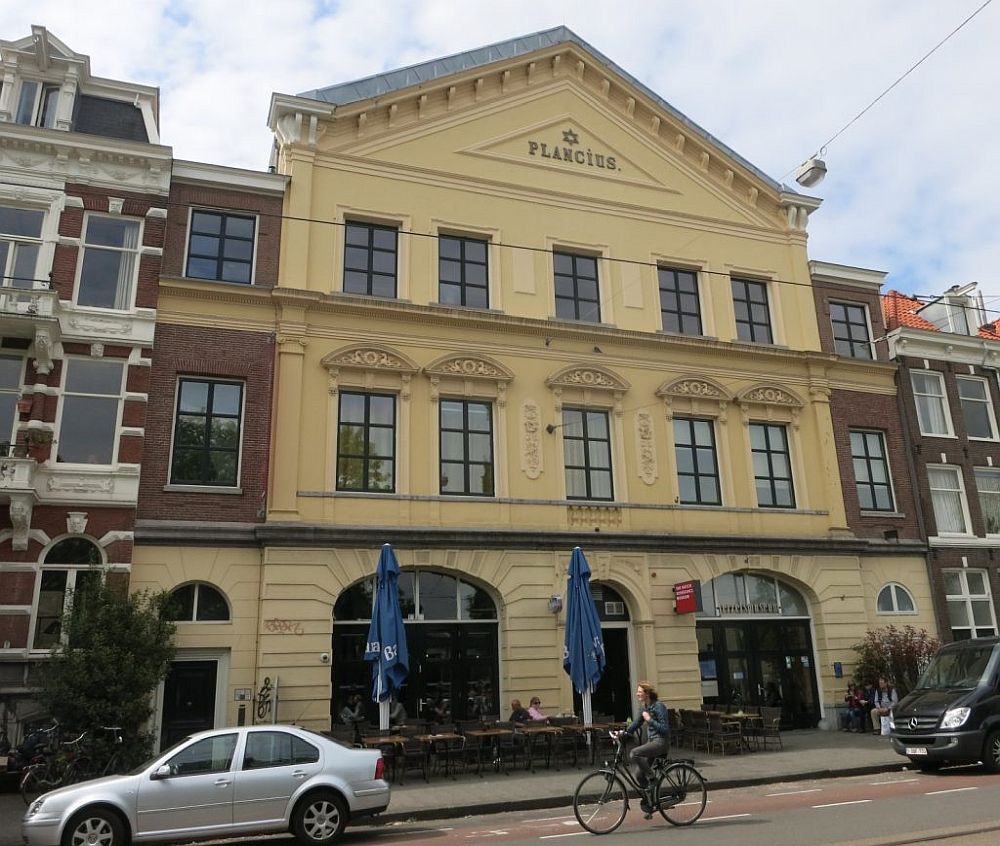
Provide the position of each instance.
(687, 597)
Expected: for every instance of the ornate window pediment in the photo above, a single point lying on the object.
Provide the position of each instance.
(469, 376)
(773, 401)
(369, 366)
(589, 385)
(694, 396)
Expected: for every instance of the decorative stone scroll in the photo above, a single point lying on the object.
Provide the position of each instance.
(367, 363)
(588, 380)
(464, 371)
(21, 506)
(701, 391)
(531, 439)
(772, 397)
(646, 447)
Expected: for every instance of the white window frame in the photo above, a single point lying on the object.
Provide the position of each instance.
(988, 471)
(6, 280)
(71, 573)
(894, 589)
(963, 498)
(62, 407)
(868, 325)
(10, 436)
(987, 401)
(967, 596)
(39, 99)
(133, 284)
(946, 407)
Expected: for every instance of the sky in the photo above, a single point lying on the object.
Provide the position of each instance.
(913, 186)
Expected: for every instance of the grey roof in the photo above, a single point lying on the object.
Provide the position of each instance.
(396, 80)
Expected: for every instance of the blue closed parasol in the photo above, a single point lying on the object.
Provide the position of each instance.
(386, 647)
(583, 655)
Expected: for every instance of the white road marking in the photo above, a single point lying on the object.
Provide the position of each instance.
(841, 804)
(795, 792)
(726, 817)
(499, 832)
(952, 790)
(549, 819)
(567, 834)
(894, 781)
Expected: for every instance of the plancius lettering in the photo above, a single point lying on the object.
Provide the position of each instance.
(747, 608)
(570, 154)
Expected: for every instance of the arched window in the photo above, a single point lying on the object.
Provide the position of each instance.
(751, 594)
(69, 566)
(895, 599)
(423, 596)
(198, 603)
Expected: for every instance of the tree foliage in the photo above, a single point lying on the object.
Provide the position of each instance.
(898, 655)
(116, 648)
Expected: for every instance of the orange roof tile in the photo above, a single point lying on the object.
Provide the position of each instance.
(901, 310)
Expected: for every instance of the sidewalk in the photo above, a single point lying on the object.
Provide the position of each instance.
(805, 754)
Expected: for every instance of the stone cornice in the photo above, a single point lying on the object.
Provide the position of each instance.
(943, 346)
(210, 291)
(231, 178)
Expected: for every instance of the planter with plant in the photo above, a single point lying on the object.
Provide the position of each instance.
(39, 443)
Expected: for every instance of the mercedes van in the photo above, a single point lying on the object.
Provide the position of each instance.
(953, 714)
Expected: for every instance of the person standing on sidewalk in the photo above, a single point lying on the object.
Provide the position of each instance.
(884, 701)
(657, 724)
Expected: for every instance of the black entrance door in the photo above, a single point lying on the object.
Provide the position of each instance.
(760, 662)
(188, 700)
(613, 694)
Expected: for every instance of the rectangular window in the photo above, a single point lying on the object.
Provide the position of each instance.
(36, 104)
(697, 462)
(772, 465)
(577, 296)
(20, 241)
(680, 308)
(91, 407)
(587, 454)
(221, 246)
(977, 408)
(753, 316)
(988, 486)
(463, 274)
(366, 442)
(55, 591)
(851, 336)
(370, 259)
(970, 605)
(11, 370)
(951, 511)
(110, 253)
(932, 404)
(207, 427)
(466, 448)
(871, 471)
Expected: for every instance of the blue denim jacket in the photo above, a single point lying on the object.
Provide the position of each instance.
(659, 722)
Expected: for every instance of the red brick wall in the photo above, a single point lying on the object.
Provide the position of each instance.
(855, 410)
(51, 519)
(17, 588)
(213, 353)
(268, 209)
(14, 630)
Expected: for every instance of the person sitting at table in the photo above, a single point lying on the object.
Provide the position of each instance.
(857, 709)
(518, 713)
(535, 709)
(397, 713)
(353, 711)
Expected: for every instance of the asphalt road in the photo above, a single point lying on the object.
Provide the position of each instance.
(959, 806)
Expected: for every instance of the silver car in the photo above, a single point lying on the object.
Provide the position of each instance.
(235, 781)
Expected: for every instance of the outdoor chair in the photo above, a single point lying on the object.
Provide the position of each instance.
(677, 727)
(696, 728)
(411, 754)
(510, 746)
(568, 742)
(770, 729)
(724, 735)
(538, 746)
(475, 749)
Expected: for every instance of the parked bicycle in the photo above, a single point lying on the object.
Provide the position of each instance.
(54, 767)
(602, 798)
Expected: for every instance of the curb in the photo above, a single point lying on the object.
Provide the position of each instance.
(556, 801)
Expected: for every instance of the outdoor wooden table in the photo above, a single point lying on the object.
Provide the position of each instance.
(430, 741)
(534, 734)
(396, 741)
(748, 725)
(593, 731)
(487, 736)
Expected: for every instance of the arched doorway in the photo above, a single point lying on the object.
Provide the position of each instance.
(613, 694)
(755, 647)
(451, 634)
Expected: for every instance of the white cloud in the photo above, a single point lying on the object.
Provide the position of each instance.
(911, 187)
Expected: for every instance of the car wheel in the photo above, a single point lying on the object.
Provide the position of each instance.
(319, 818)
(991, 752)
(94, 827)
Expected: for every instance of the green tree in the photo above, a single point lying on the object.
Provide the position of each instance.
(898, 655)
(115, 649)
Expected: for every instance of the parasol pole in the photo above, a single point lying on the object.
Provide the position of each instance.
(588, 712)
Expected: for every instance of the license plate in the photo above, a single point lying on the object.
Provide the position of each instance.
(916, 750)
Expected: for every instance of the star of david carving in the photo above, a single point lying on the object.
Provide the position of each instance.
(570, 137)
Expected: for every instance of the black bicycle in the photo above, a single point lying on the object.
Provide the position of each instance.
(602, 798)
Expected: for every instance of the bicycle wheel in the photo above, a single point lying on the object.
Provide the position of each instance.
(34, 784)
(600, 802)
(682, 794)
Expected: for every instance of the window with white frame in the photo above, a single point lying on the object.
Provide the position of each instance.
(36, 104)
(871, 471)
(70, 567)
(110, 262)
(11, 370)
(988, 487)
(977, 408)
(951, 511)
(932, 404)
(895, 599)
(91, 408)
(20, 242)
(970, 604)
(851, 335)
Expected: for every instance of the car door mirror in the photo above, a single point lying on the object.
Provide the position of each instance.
(162, 771)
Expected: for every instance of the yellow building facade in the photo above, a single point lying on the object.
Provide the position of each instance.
(524, 305)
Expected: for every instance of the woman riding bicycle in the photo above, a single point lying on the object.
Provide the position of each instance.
(654, 717)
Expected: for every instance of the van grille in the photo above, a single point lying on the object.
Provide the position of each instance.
(906, 725)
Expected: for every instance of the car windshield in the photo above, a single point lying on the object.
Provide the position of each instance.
(159, 754)
(957, 668)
